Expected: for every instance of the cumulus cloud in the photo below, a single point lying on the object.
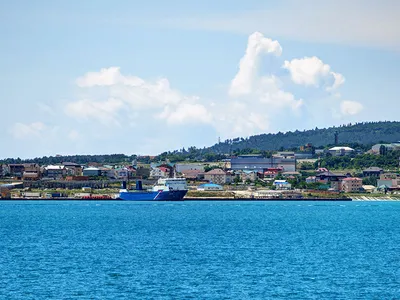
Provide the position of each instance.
(311, 71)
(257, 44)
(350, 108)
(129, 98)
(21, 130)
(104, 111)
(254, 102)
(186, 113)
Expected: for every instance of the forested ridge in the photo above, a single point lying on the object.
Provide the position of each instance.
(360, 135)
(365, 133)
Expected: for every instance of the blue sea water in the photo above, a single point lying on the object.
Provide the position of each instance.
(199, 250)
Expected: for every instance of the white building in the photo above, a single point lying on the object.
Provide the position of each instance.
(340, 151)
(282, 185)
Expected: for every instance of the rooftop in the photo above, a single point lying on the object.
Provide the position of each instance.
(339, 148)
(216, 172)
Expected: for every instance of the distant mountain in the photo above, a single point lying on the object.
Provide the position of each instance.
(360, 133)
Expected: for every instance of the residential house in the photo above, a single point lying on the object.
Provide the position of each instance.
(73, 169)
(107, 172)
(55, 171)
(218, 176)
(160, 172)
(271, 173)
(311, 179)
(193, 174)
(16, 170)
(369, 188)
(390, 180)
(351, 185)
(247, 176)
(31, 172)
(282, 185)
(121, 173)
(372, 172)
(333, 179)
(327, 177)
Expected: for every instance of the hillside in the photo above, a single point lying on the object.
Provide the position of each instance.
(361, 133)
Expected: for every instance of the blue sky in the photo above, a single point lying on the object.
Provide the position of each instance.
(86, 77)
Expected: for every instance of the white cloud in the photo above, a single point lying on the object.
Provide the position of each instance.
(104, 111)
(32, 130)
(311, 71)
(244, 80)
(254, 102)
(186, 113)
(366, 23)
(350, 108)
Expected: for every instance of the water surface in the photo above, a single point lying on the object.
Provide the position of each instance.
(199, 250)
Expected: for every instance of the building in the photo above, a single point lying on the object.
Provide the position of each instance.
(16, 170)
(247, 175)
(282, 185)
(311, 179)
(55, 171)
(193, 174)
(389, 179)
(210, 187)
(372, 172)
(388, 147)
(91, 172)
(369, 188)
(107, 172)
(259, 163)
(341, 151)
(160, 172)
(218, 176)
(121, 173)
(73, 169)
(271, 173)
(182, 168)
(351, 185)
(328, 177)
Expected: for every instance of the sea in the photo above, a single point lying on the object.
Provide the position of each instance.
(199, 250)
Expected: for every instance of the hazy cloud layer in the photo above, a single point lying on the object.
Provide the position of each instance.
(366, 23)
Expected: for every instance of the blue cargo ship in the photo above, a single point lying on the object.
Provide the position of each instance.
(166, 189)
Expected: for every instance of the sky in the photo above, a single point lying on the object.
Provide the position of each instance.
(144, 77)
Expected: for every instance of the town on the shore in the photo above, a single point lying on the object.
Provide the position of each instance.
(302, 174)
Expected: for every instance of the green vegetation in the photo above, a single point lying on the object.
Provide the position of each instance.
(389, 161)
(359, 135)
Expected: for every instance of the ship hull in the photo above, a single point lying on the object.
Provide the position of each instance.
(153, 196)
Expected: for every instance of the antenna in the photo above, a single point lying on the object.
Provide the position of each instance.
(336, 138)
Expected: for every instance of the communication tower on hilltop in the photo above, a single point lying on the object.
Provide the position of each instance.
(336, 138)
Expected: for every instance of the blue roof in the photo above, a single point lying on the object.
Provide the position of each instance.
(210, 185)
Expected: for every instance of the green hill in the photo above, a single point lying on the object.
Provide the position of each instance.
(360, 133)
